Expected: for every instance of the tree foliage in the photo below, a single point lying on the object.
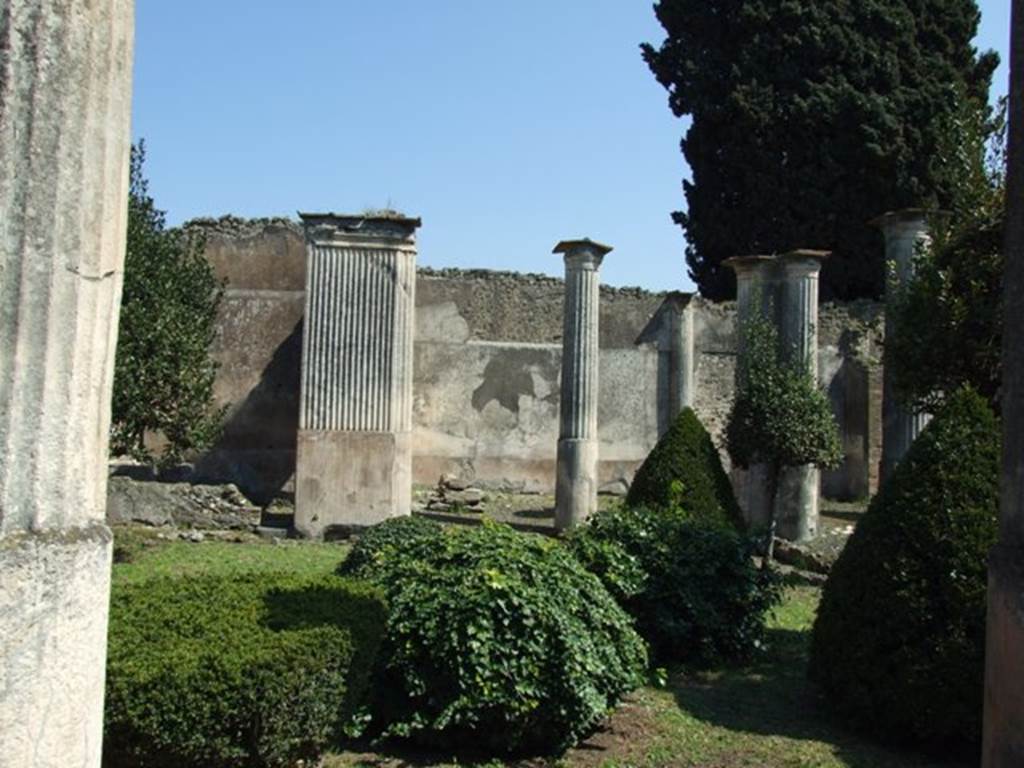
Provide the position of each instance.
(955, 301)
(163, 376)
(811, 117)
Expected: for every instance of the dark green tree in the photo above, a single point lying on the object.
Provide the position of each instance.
(163, 375)
(809, 118)
(780, 417)
(955, 301)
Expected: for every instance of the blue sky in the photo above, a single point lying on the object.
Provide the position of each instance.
(505, 126)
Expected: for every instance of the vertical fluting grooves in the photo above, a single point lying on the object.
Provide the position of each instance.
(65, 94)
(580, 361)
(356, 370)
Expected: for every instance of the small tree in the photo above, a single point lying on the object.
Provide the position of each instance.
(163, 375)
(780, 417)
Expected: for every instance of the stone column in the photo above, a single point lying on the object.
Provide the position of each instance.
(799, 487)
(904, 232)
(576, 478)
(1003, 733)
(681, 377)
(65, 104)
(754, 294)
(354, 460)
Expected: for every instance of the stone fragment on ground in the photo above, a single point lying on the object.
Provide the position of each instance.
(179, 505)
(454, 494)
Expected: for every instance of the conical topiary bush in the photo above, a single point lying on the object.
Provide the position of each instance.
(898, 645)
(684, 468)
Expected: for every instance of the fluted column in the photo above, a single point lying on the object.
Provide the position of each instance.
(65, 104)
(576, 478)
(904, 232)
(354, 460)
(797, 505)
(681, 353)
(754, 296)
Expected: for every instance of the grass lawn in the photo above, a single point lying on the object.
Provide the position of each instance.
(762, 716)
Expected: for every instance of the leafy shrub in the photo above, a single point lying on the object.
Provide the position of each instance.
(396, 533)
(498, 640)
(898, 644)
(685, 470)
(259, 670)
(700, 598)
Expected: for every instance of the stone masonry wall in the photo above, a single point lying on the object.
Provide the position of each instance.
(486, 376)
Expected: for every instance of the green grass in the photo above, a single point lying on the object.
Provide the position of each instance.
(144, 556)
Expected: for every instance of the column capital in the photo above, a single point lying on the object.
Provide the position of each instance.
(583, 253)
(907, 222)
(388, 229)
(802, 262)
(748, 266)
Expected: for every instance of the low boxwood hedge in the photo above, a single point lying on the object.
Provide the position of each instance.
(498, 641)
(254, 670)
(691, 584)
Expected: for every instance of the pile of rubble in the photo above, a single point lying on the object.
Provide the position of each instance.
(453, 494)
(180, 505)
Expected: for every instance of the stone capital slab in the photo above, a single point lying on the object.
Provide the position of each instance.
(582, 254)
(381, 230)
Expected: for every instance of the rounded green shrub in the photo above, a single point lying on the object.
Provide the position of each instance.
(498, 640)
(898, 645)
(257, 670)
(397, 533)
(685, 470)
(698, 598)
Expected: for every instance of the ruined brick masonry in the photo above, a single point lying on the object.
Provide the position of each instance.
(486, 371)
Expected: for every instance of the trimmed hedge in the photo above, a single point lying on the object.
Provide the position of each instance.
(255, 670)
(397, 533)
(498, 640)
(898, 645)
(685, 470)
(690, 584)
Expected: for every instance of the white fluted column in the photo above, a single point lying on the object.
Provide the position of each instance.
(797, 504)
(754, 295)
(576, 475)
(905, 232)
(354, 460)
(65, 105)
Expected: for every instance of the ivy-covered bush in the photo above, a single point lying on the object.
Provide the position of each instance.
(258, 670)
(396, 533)
(898, 645)
(498, 640)
(698, 596)
(685, 470)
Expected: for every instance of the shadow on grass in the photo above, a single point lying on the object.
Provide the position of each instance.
(775, 698)
(535, 514)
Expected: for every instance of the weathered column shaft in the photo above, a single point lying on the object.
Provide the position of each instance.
(1003, 733)
(576, 474)
(681, 379)
(904, 232)
(355, 413)
(65, 106)
(798, 500)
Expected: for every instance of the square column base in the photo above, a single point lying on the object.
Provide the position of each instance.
(1003, 740)
(54, 601)
(575, 482)
(351, 480)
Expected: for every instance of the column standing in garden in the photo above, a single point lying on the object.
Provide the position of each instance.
(65, 106)
(799, 487)
(753, 294)
(576, 474)
(904, 232)
(354, 459)
(1003, 740)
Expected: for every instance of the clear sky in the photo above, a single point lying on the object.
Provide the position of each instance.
(506, 126)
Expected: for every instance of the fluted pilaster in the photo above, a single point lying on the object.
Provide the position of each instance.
(355, 410)
(576, 479)
(906, 233)
(65, 104)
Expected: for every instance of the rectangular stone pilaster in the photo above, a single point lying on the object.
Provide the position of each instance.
(354, 453)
